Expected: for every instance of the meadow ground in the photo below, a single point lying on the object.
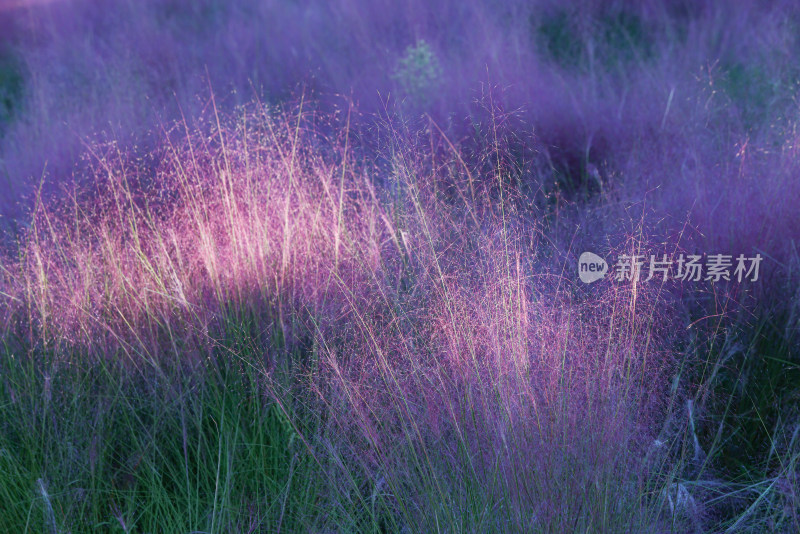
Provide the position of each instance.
(314, 266)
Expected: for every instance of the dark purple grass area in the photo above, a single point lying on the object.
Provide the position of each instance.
(687, 106)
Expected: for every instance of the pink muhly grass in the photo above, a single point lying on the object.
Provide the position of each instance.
(244, 218)
(492, 369)
(446, 361)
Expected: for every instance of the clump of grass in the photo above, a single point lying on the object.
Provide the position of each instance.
(284, 345)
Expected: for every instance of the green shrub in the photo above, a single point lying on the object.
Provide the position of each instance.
(418, 72)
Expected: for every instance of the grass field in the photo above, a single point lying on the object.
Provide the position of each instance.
(314, 266)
